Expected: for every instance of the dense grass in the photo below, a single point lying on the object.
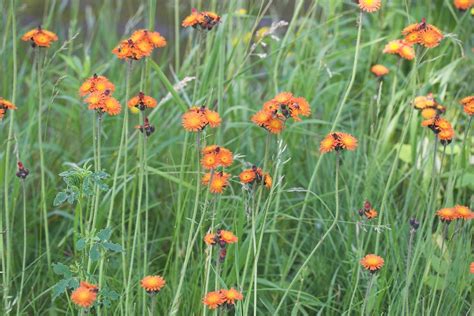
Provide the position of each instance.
(293, 255)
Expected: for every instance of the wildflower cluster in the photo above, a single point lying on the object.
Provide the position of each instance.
(449, 214)
(337, 141)
(5, 106)
(141, 44)
(275, 112)
(152, 284)
(400, 48)
(198, 117)
(222, 298)
(368, 211)
(423, 34)
(205, 20)
(428, 106)
(97, 91)
(222, 238)
(441, 127)
(468, 105)
(85, 295)
(39, 37)
(256, 175)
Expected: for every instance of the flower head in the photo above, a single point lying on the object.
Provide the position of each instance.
(446, 214)
(402, 48)
(232, 295)
(85, 295)
(441, 127)
(423, 33)
(463, 4)
(255, 175)
(338, 141)
(379, 70)
(197, 118)
(103, 103)
(227, 237)
(210, 239)
(96, 84)
(471, 268)
(142, 102)
(205, 20)
(5, 105)
(372, 262)
(215, 156)
(152, 283)
(217, 182)
(463, 212)
(468, 105)
(141, 44)
(213, 299)
(39, 37)
(370, 5)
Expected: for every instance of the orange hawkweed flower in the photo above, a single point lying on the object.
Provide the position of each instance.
(103, 103)
(261, 117)
(5, 105)
(463, 212)
(463, 5)
(205, 20)
(210, 239)
(401, 48)
(248, 176)
(440, 127)
(96, 84)
(255, 175)
(471, 268)
(141, 44)
(370, 5)
(446, 214)
(227, 237)
(215, 156)
(338, 141)
(39, 37)
(267, 180)
(372, 213)
(197, 118)
(379, 70)
(407, 52)
(213, 299)
(85, 295)
(152, 283)
(210, 161)
(393, 47)
(225, 157)
(232, 295)
(423, 33)
(468, 104)
(142, 102)
(429, 106)
(219, 182)
(275, 125)
(372, 262)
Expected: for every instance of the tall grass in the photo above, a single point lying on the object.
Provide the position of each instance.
(300, 242)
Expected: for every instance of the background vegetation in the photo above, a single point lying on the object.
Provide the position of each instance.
(298, 266)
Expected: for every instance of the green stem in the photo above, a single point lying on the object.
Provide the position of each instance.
(23, 262)
(367, 294)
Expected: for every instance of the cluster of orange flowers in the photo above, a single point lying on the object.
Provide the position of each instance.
(401, 48)
(441, 127)
(338, 141)
(449, 214)
(141, 44)
(5, 105)
(372, 263)
(379, 70)
(275, 112)
(463, 4)
(98, 92)
(85, 295)
(205, 20)
(423, 34)
(215, 156)
(256, 175)
(370, 5)
(428, 106)
(223, 238)
(368, 211)
(468, 105)
(226, 298)
(197, 118)
(39, 37)
(142, 102)
(152, 284)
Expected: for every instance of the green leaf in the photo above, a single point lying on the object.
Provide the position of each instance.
(94, 253)
(73, 283)
(112, 246)
(60, 287)
(104, 234)
(62, 269)
(60, 198)
(81, 244)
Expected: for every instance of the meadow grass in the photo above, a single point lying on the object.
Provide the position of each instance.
(300, 242)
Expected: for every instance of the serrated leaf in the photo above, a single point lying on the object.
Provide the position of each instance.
(73, 283)
(112, 246)
(94, 253)
(60, 198)
(104, 234)
(62, 269)
(59, 288)
(81, 244)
